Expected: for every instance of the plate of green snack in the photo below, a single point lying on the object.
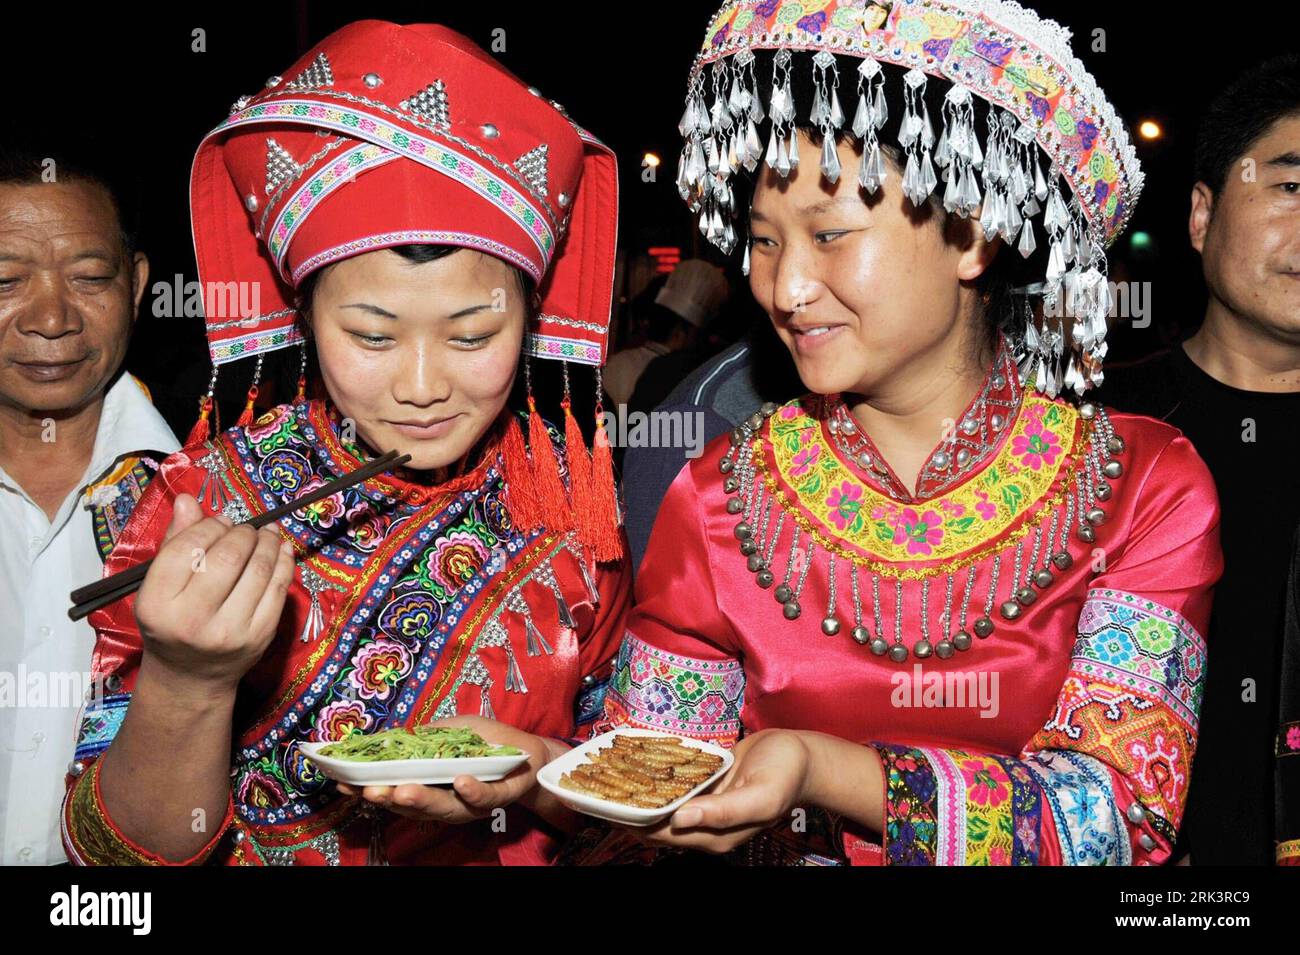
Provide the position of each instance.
(430, 755)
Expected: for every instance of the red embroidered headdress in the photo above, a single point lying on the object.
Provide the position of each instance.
(385, 135)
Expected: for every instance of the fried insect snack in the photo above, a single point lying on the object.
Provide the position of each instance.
(645, 771)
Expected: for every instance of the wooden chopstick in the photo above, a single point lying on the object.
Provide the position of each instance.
(110, 589)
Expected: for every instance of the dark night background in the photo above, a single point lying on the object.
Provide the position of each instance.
(121, 82)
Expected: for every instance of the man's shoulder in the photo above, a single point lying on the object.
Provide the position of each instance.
(1149, 386)
(720, 375)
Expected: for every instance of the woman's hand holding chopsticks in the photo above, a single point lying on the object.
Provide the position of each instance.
(211, 601)
(108, 590)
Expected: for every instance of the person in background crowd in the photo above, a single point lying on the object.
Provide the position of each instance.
(79, 442)
(698, 292)
(1234, 389)
(693, 293)
(724, 391)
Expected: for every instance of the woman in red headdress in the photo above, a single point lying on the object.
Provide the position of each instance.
(419, 214)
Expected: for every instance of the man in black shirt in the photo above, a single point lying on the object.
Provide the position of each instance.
(1234, 390)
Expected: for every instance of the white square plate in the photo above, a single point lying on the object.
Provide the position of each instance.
(550, 774)
(397, 772)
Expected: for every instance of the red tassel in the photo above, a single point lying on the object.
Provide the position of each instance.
(199, 433)
(521, 497)
(580, 488)
(246, 416)
(607, 541)
(302, 391)
(552, 503)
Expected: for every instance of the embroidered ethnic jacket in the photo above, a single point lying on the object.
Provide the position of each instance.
(1086, 541)
(407, 606)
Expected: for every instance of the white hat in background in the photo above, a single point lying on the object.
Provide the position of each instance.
(695, 290)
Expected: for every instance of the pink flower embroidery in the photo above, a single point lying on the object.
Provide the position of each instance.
(379, 667)
(1293, 737)
(1026, 833)
(845, 503)
(1037, 446)
(921, 532)
(340, 720)
(805, 459)
(324, 512)
(985, 508)
(982, 787)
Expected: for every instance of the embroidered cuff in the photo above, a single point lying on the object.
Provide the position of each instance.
(1132, 698)
(948, 807)
(666, 691)
(91, 838)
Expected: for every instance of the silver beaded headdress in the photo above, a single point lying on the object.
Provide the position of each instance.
(1047, 122)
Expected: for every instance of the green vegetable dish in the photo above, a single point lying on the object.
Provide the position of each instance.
(425, 742)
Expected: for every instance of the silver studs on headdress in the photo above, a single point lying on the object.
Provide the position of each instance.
(826, 113)
(916, 136)
(1001, 182)
(315, 76)
(430, 104)
(532, 166)
(280, 166)
(868, 120)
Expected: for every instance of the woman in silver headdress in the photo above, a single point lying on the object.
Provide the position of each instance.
(943, 603)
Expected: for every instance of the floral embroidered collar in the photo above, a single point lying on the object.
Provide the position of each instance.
(971, 443)
(995, 536)
(1020, 476)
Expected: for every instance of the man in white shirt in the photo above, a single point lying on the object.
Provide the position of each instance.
(79, 441)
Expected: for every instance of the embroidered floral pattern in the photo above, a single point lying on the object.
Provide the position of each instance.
(921, 532)
(659, 690)
(378, 667)
(1128, 709)
(340, 720)
(1049, 94)
(911, 791)
(1036, 447)
(112, 501)
(804, 466)
(1289, 739)
(378, 662)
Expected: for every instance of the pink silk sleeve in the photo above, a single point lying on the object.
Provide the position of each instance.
(1104, 782)
(678, 668)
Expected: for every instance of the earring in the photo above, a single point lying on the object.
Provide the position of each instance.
(246, 416)
(301, 397)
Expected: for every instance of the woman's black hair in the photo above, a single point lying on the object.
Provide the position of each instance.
(416, 254)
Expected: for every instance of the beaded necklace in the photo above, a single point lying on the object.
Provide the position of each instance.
(1024, 564)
